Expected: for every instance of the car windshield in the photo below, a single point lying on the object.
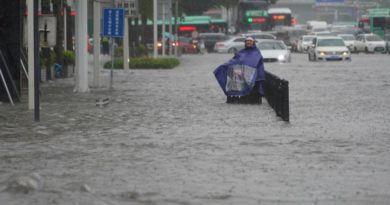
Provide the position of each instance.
(272, 46)
(347, 38)
(330, 42)
(263, 36)
(373, 38)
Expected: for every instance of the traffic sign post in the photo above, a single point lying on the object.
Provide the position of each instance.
(113, 27)
(113, 22)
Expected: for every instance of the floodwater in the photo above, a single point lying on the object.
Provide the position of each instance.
(168, 137)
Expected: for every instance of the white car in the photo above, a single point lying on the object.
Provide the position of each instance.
(369, 43)
(260, 35)
(304, 42)
(231, 45)
(349, 40)
(329, 48)
(274, 51)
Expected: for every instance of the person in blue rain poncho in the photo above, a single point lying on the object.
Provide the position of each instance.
(241, 77)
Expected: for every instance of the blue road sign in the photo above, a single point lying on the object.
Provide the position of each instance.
(113, 22)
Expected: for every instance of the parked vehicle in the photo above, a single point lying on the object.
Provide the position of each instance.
(349, 40)
(304, 42)
(231, 45)
(210, 39)
(329, 48)
(274, 50)
(369, 43)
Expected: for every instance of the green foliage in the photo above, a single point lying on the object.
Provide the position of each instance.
(69, 57)
(146, 63)
(139, 51)
(44, 58)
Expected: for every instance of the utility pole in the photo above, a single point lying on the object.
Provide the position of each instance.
(155, 28)
(176, 27)
(81, 47)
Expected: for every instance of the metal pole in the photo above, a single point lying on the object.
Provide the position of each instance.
(110, 87)
(126, 57)
(37, 69)
(176, 27)
(65, 29)
(6, 87)
(155, 28)
(170, 27)
(81, 46)
(112, 63)
(163, 29)
(30, 55)
(96, 43)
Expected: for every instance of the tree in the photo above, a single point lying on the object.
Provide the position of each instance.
(191, 7)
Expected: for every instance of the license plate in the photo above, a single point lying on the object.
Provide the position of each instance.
(334, 57)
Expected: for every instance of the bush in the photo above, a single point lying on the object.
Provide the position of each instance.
(69, 57)
(146, 63)
(44, 58)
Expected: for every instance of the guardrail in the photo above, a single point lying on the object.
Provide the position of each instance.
(277, 94)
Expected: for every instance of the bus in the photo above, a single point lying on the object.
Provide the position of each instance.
(194, 23)
(257, 20)
(280, 17)
(377, 21)
(252, 15)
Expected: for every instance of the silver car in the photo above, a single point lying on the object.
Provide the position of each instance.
(328, 48)
(274, 51)
(260, 35)
(349, 40)
(231, 45)
(369, 43)
(304, 42)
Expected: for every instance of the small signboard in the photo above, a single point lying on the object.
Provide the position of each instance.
(379, 12)
(47, 30)
(113, 22)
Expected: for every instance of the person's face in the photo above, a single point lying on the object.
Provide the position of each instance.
(249, 43)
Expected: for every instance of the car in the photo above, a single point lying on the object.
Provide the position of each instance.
(274, 50)
(185, 46)
(231, 45)
(322, 33)
(260, 35)
(210, 39)
(387, 39)
(304, 42)
(328, 48)
(349, 40)
(369, 43)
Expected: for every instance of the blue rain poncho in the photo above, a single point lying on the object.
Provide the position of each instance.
(238, 76)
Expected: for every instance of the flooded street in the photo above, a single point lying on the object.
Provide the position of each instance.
(168, 137)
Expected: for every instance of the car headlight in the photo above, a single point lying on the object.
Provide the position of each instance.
(321, 53)
(345, 53)
(282, 57)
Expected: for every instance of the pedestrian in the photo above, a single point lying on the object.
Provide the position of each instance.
(105, 46)
(242, 77)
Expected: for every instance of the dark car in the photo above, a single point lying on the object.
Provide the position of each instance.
(209, 40)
